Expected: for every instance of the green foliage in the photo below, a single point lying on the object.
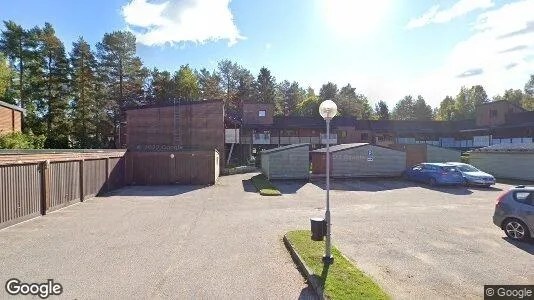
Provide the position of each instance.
(446, 110)
(54, 91)
(404, 109)
(422, 111)
(187, 87)
(382, 110)
(264, 186)
(86, 102)
(5, 76)
(310, 106)
(266, 86)
(209, 85)
(328, 91)
(340, 280)
(19, 140)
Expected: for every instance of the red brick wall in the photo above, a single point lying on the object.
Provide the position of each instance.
(251, 116)
(10, 120)
(200, 125)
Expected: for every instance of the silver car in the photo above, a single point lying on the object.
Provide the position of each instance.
(514, 212)
(473, 176)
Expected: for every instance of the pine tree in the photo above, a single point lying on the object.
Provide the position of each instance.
(54, 99)
(20, 47)
(210, 85)
(84, 92)
(122, 73)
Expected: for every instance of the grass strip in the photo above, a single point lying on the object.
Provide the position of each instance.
(264, 186)
(341, 280)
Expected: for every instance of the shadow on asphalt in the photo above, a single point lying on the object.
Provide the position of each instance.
(482, 188)
(289, 186)
(366, 185)
(308, 293)
(248, 186)
(149, 191)
(527, 246)
(377, 185)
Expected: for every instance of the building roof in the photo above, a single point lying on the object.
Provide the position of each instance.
(499, 101)
(11, 106)
(341, 147)
(284, 148)
(519, 147)
(172, 103)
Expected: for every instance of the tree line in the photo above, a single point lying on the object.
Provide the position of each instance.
(77, 99)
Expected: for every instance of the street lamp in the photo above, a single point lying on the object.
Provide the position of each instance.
(328, 110)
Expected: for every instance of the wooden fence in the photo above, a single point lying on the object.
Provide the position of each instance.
(31, 186)
(35, 183)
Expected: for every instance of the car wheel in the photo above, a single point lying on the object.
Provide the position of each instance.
(432, 181)
(516, 230)
(465, 182)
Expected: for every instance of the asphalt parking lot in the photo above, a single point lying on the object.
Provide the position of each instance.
(224, 241)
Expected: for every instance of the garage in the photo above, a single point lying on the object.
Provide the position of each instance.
(509, 161)
(419, 153)
(359, 160)
(288, 162)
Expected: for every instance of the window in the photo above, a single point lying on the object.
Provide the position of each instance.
(365, 136)
(342, 134)
(261, 113)
(493, 113)
(524, 197)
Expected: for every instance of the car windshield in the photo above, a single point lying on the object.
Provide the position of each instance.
(467, 168)
(449, 169)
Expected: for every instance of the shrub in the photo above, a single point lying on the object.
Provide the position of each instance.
(19, 140)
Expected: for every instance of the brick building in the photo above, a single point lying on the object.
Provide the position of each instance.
(494, 123)
(10, 118)
(180, 126)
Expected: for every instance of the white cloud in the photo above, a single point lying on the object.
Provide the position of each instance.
(460, 8)
(498, 55)
(176, 21)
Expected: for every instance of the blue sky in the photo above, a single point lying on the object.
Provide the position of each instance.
(384, 48)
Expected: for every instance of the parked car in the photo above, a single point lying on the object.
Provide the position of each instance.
(473, 176)
(514, 212)
(434, 173)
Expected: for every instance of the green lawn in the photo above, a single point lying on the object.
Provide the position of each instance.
(264, 186)
(341, 280)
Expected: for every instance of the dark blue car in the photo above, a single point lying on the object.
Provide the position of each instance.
(434, 174)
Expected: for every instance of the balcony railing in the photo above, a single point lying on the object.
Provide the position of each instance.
(261, 138)
(333, 138)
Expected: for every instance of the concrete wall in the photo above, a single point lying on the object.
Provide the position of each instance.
(292, 163)
(353, 162)
(438, 154)
(513, 165)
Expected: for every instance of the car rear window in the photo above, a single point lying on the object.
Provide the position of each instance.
(523, 197)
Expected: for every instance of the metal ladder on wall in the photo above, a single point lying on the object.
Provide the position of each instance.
(176, 124)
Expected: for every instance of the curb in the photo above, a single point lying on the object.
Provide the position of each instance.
(304, 269)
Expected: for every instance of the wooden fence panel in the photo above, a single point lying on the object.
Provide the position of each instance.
(20, 193)
(64, 184)
(94, 177)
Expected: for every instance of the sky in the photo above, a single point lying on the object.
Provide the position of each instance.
(386, 49)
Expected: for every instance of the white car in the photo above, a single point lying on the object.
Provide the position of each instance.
(473, 176)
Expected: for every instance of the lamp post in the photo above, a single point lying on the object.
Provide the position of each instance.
(327, 110)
